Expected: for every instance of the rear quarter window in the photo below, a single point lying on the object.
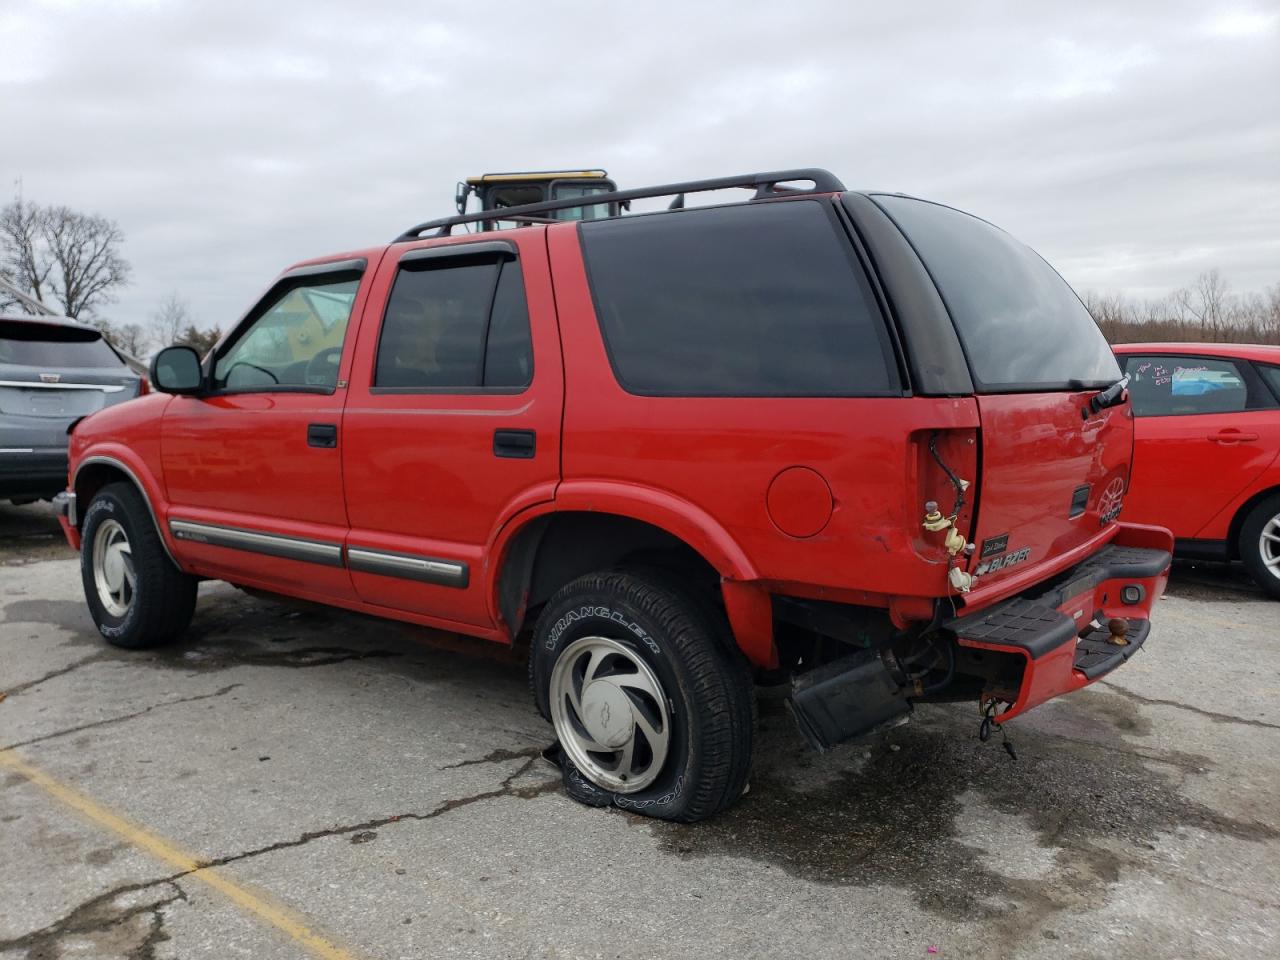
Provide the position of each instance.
(1020, 324)
(755, 300)
(1272, 376)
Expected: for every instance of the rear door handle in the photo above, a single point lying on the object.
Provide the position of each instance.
(1232, 436)
(322, 435)
(515, 444)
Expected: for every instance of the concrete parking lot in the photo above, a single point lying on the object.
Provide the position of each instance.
(297, 782)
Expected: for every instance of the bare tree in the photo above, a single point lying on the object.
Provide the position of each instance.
(1211, 289)
(61, 256)
(1204, 312)
(171, 318)
(22, 261)
(132, 338)
(86, 249)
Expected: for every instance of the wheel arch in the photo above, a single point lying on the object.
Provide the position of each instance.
(95, 472)
(1242, 514)
(538, 554)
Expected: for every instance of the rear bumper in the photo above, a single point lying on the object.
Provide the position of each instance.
(1059, 628)
(64, 503)
(32, 472)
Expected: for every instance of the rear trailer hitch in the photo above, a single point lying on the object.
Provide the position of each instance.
(990, 710)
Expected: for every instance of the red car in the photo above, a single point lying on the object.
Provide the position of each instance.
(865, 443)
(1207, 461)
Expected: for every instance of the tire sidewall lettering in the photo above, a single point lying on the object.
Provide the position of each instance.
(626, 803)
(576, 622)
(599, 611)
(107, 625)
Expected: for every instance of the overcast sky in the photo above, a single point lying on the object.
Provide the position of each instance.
(1133, 144)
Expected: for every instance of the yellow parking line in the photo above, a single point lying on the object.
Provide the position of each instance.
(278, 916)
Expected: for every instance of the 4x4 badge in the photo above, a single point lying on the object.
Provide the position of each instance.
(1111, 502)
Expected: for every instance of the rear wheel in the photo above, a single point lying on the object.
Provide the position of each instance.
(137, 597)
(652, 709)
(1260, 544)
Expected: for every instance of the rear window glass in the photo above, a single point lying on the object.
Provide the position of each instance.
(1022, 327)
(1178, 386)
(48, 346)
(754, 300)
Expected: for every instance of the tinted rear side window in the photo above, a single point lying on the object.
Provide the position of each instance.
(461, 324)
(49, 346)
(1021, 325)
(755, 300)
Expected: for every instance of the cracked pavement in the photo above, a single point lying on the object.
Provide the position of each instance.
(384, 784)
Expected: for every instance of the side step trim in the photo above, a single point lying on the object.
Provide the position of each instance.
(1097, 656)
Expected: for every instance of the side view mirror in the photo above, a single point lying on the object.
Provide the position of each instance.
(460, 197)
(177, 370)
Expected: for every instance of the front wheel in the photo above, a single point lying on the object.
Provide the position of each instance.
(137, 597)
(1260, 544)
(652, 708)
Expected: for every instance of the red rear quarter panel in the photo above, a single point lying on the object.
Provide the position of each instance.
(711, 469)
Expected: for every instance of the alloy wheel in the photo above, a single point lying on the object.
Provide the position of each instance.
(113, 570)
(1269, 545)
(611, 714)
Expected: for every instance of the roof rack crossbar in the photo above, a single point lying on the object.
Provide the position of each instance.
(765, 185)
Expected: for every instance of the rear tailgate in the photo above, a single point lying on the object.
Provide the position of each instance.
(1053, 470)
(52, 373)
(1051, 486)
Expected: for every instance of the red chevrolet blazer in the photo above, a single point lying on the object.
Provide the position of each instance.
(861, 443)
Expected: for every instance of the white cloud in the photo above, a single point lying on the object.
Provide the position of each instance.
(1243, 23)
(232, 139)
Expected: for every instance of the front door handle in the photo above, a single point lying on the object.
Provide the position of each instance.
(1232, 436)
(515, 444)
(322, 435)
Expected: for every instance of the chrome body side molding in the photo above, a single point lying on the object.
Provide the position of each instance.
(273, 545)
(446, 573)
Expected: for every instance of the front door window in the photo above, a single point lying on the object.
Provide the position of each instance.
(296, 340)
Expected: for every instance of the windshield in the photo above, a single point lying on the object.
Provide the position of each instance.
(1022, 327)
(51, 346)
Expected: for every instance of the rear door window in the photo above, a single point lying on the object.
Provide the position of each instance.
(1022, 327)
(755, 300)
(456, 324)
(50, 346)
(1172, 386)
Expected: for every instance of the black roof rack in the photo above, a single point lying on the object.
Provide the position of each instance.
(765, 185)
